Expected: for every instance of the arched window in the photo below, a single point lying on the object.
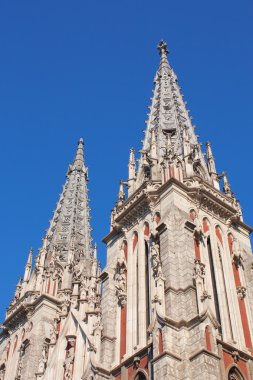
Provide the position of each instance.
(235, 374)
(221, 269)
(135, 252)
(147, 272)
(214, 283)
(140, 376)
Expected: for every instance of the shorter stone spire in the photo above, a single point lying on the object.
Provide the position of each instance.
(226, 185)
(153, 146)
(131, 172)
(211, 166)
(79, 158)
(121, 193)
(210, 158)
(163, 51)
(28, 267)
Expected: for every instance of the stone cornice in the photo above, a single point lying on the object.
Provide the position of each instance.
(24, 307)
(166, 353)
(198, 191)
(230, 348)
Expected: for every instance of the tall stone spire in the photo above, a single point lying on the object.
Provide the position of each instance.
(169, 120)
(71, 220)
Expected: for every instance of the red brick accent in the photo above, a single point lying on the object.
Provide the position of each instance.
(197, 248)
(205, 226)
(123, 315)
(208, 338)
(229, 360)
(218, 234)
(160, 342)
(143, 365)
(242, 307)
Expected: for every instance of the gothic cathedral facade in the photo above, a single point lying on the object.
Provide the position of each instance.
(175, 300)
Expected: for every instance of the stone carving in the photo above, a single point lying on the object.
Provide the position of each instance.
(69, 360)
(241, 292)
(43, 360)
(2, 372)
(236, 356)
(156, 262)
(199, 269)
(20, 361)
(205, 296)
(237, 254)
(54, 332)
(120, 277)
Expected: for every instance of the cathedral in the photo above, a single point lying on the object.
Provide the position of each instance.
(175, 299)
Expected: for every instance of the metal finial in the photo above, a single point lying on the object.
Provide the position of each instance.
(162, 47)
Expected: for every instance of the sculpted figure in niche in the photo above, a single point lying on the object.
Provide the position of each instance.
(20, 360)
(237, 254)
(120, 276)
(2, 372)
(43, 359)
(54, 333)
(69, 361)
(155, 254)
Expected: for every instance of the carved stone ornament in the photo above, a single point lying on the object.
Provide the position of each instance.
(241, 292)
(156, 262)
(236, 356)
(199, 269)
(137, 361)
(237, 254)
(2, 372)
(54, 332)
(20, 361)
(205, 296)
(120, 277)
(69, 360)
(43, 360)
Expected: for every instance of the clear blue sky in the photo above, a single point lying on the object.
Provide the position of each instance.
(71, 69)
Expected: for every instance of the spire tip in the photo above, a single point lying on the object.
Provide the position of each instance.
(163, 48)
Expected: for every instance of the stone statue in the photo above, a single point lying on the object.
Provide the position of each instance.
(43, 360)
(120, 277)
(155, 254)
(69, 361)
(54, 333)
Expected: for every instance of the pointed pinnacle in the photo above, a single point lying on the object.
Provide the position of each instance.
(209, 152)
(163, 49)
(79, 158)
(30, 257)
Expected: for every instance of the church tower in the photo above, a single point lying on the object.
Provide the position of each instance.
(177, 289)
(177, 297)
(52, 328)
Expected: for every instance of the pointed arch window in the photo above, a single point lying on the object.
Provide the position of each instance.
(214, 282)
(140, 376)
(135, 251)
(235, 374)
(147, 274)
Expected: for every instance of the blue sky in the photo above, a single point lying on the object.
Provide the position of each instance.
(85, 69)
